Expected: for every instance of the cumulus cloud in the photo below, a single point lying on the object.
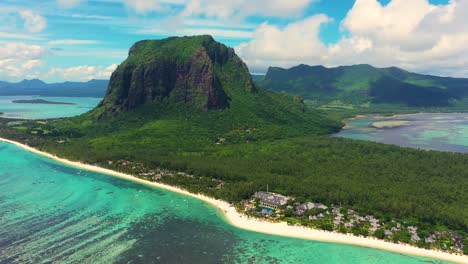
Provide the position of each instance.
(298, 42)
(82, 73)
(33, 22)
(415, 35)
(18, 50)
(20, 60)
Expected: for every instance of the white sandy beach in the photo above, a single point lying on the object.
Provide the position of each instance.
(256, 225)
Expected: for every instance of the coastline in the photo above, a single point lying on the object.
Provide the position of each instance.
(390, 124)
(390, 116)
(256, 225)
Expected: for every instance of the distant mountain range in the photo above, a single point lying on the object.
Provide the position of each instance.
(93, 88)
(365, 83)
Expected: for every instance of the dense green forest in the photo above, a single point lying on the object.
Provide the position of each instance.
(361, 85)
(222, 128)
(426, 186)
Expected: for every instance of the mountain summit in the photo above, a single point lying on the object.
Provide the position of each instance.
(188, 70)
(192, 89)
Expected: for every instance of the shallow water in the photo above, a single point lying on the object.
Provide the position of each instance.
(444, 132)
(50, 212)
(39, 111)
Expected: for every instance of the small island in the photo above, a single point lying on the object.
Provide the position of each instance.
(40, 101)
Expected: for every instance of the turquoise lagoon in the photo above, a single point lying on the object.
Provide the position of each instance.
(52, 213)
(41, 111)
(443, 132)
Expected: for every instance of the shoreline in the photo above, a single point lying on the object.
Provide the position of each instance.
(256, 225)
(362, 116)
(390, 124)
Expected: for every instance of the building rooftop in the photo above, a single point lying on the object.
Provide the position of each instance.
(310, 206)
(272, 198)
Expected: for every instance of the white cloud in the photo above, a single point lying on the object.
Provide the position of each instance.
(68, 3)
(31, 64)
(19, 60)
(82, 73)
(144, 6)
(244, 8)
(33, 22)
(296, 43)
(413, 34)
(73, 42)
(17, 50)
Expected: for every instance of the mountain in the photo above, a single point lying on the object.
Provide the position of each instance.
(181, 93)
(189, 104)
(201, 82)
(258, 77)
(92, 88)
(31, 84)
(364, 83)
(187, 71)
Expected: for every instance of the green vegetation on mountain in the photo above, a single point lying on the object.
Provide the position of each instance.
(196, 83)
(189, 104)
(364, 85)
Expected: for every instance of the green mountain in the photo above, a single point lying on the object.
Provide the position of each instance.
(364, 83)
(195, 83)
(258, 77)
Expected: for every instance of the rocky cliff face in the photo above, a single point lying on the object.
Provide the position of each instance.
(185, 70)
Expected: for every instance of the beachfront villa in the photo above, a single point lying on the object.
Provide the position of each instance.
(271, 200)
(301, 209)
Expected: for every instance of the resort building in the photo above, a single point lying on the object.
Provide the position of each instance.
(301, 209)
(271, 200)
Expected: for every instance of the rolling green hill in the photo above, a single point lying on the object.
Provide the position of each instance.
(360, 84)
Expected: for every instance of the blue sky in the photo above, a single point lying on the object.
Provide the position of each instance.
(58, 40)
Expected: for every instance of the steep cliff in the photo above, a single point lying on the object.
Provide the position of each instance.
(186, 70)
(195, 87)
